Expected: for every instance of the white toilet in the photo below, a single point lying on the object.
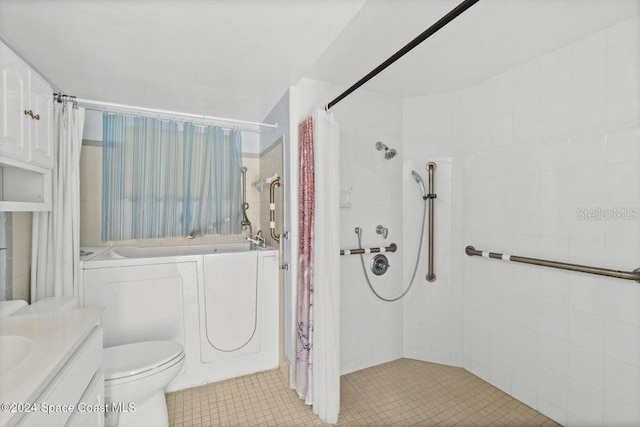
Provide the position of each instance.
(135, 377)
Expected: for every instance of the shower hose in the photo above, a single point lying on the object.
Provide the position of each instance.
(415, 268)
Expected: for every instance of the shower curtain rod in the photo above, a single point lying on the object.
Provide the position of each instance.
(111, 107)
(453, 14)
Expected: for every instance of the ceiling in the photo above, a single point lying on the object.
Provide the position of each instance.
(224, 58)
(491, 37)
(235, 58)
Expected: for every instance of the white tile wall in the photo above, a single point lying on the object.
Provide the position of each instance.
(371, 330)
(540, 147)
(270, 163)
(433, 315)
(90, 196)
(18, 257)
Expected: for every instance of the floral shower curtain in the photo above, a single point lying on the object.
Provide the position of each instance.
(304, 340)
(318, 340)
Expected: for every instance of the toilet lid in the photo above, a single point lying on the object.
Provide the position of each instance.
(131, 359)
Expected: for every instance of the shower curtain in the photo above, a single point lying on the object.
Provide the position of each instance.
(304, 341)
(318, 339)
(56, 234)
(167, 178)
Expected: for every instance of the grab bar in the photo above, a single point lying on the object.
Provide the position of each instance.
(391, 248)
(272, 209)
(431, 167)
(245, 224)
(627, 275)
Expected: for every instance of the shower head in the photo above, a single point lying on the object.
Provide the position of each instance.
(418, 179)
(389, 153)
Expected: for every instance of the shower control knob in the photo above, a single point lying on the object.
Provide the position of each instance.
(379, 264)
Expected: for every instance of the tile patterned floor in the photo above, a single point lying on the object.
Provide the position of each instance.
(404, 392)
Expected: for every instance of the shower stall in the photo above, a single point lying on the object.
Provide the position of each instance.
(538, 158)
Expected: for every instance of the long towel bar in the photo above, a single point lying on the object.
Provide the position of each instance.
(627, 275)
(391, 248)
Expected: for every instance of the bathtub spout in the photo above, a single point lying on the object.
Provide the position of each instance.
(258, 240)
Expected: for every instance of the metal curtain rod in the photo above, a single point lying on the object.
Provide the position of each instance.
(111, 107)
(391, 248)
(627, 275)
(453, 14)
(61, 98)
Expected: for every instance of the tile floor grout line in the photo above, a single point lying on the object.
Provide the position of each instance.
(415, 393)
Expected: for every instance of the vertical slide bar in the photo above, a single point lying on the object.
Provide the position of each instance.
(431, 167)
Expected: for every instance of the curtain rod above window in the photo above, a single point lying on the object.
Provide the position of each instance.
(168, 115)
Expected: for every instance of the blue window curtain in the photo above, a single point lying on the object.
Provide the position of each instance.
(167, 179)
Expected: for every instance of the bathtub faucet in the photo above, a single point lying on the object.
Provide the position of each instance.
(258, 240)
(193, 234)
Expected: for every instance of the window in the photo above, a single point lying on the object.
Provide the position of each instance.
(166, 179)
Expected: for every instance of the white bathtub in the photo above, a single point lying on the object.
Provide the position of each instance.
(173, 251)
(219, 301)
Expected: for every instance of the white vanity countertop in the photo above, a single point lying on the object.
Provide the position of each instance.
(54, 339)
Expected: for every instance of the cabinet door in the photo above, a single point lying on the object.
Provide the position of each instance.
(13, 103)
(41, 102)
(90, 411)
(69, 384)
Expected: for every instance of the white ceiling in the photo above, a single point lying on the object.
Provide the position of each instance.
(222, 58)
(489, 38)
(235, 58)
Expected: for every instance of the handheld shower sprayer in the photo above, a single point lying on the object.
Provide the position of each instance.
(382, 230)
(418, 179)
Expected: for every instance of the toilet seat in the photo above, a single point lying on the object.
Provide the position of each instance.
(138, 360)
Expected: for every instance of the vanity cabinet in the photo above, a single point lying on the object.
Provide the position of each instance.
(92, 400)
(51, 363)
(26, 136)
(78, 385)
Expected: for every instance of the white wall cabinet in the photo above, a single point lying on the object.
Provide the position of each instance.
(40, 132)
(26, 140)
(13, 101)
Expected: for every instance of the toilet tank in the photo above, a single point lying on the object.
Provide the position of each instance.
(7, 308)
